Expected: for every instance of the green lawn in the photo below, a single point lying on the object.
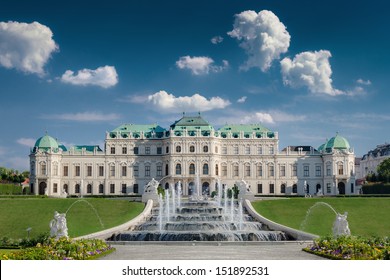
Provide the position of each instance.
(366, 216)
(82, 218)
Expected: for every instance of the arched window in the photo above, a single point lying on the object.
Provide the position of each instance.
(216, 170)
(43, 168)
(101, 188)
(89, 188)
(216, 149)
(178, 149)
(77, 188)
(166, 170)
(192, 149)
(205, 169)
(192, 168)
(283, 188)
(295, 188)
(205, 149)
(167, 149)
(340, 168)
(65, 188)
(178, 169)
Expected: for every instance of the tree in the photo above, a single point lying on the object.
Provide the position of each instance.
(383, 170)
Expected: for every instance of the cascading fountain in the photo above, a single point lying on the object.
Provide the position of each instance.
(178, 219)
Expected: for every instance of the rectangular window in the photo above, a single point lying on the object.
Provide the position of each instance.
(224, 150)
(124, 150)
(247, 170)
(147, 171)
(113, 150)
(282, 171)
(247, 150)
(147, 150)
(135, 150)
(89, 171)
(159, 170)
(135, 188)
(271, 150)
(235, 170)
(224, 170)
(306, 171)
(55, 187)
(328, 187)
(260, 150)
(55, 170)
(77, 170)
(294, 170)
(66, 171)
(328, 170)
(271, 170)
(136, 171)
(259, 188)
(112, 170)
(235, 150)
(318, 171)
(112, 188)
(124, 171)
(159, 150)
(259, 170)
(101, 171)
(124, 188)
(271, 188)
(352, 188)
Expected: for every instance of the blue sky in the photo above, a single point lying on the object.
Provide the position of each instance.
(77, 70)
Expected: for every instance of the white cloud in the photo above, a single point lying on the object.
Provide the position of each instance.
(216, 40)
(264, 38)
(26, 47)
(310, 69)
(200, 65)
(104, 77)
(166, 102)
(29, 142)
(364, 82)
(242, 99)
(84, 117)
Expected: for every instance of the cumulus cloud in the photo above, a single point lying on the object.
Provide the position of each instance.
(26, 46)
(29, 142)
(264, 38)
(83, 117)
(104, 77)
(216, 40)
(242, 99)
(310, 69)
(166, 102)
(200, 65)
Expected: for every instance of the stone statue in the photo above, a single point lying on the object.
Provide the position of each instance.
(58, 226)
(340, 226)
(243, 187)
(151, 187)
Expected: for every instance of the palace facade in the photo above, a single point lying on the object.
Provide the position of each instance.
(191, 150)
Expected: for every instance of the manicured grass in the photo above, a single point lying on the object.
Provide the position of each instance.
(82, 218)
(366, 216)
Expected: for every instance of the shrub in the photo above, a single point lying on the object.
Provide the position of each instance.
(62, 249)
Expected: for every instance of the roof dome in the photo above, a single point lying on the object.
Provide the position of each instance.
(46, 142)
(337, 142)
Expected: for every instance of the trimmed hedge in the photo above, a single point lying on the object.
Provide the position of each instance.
(376, 188)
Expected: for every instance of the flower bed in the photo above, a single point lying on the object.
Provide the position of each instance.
(62, 249)
(351, 248)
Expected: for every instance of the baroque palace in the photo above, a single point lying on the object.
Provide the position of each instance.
(191, 151)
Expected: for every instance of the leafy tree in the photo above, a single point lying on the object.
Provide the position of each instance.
(383, 170)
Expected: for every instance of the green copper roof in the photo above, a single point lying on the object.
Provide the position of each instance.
(191, 123)
(90, 149)
(46, 142)
(336, 142)
(134, 130)
(246, 129)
